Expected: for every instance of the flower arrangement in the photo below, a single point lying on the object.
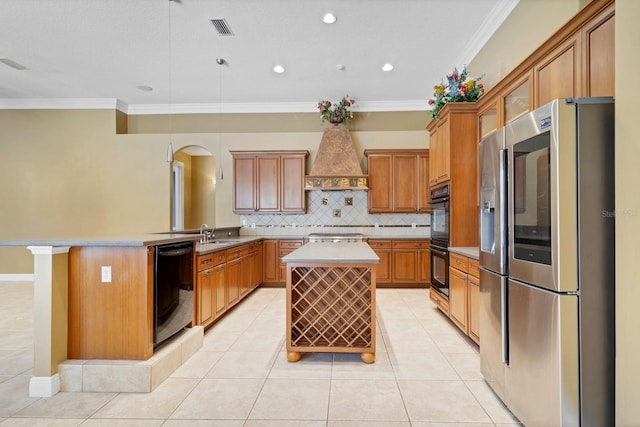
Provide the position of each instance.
(457, 89)
(338, 112)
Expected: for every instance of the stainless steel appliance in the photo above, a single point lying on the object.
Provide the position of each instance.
(560, 293)
(440, 240)
(493, 260)
(173, 289)
(335, 237)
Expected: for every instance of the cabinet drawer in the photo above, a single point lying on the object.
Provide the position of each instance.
(474, 267)
(439, 301)
(211, 260)
(411, 244)
(458, 261)
(237, 252)
(380, 244)
(290, 244)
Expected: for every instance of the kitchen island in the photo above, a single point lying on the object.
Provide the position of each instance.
(331, 299)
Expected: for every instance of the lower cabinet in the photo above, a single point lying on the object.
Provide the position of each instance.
(403, 261)
(274, 270)
(224, 278)
(382, 248)
(211, 292)
(464, 295)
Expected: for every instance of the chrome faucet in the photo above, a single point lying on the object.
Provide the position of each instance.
(204, 234)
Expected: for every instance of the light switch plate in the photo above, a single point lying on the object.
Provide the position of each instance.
(106, 274)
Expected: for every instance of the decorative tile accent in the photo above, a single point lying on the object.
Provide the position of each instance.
(353, 217)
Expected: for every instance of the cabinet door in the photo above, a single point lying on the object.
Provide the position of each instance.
(245, 275)
(232, 281)
(382, 248)
(556, 76)
(434, 152)
(405, 265)
(458, 298)
(244, 184)
(380, 167)
(205, 297)
(425, 266)
(293, 195)
(444, 148)
(599, 70)
(220, 290)
(405, 183)
(474, 308)
(270, 261)
(423, 184)
(256, 266)
(268, 193)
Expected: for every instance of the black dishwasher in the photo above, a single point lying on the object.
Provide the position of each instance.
(173, 289)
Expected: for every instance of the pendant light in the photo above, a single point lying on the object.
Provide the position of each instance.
(170, 147)
(220, 62)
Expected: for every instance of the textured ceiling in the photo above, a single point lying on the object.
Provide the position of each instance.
(92, 52)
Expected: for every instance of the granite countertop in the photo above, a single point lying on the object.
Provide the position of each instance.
(142, 239)
(468, 251)
(333, 253)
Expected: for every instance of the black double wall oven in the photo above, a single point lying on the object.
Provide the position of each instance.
(440, 240)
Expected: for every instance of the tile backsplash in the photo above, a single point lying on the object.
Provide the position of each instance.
(344, 211)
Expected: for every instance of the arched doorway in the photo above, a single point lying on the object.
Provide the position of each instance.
(193, 184)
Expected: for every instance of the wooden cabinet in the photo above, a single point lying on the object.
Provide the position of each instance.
(402, 262)
(285, 247)
(274, 270)
(577, 60)
(210, 287)
(557, 75)
(396, 181)
(454, 160)
(473, 287)
(270, 261)
(382, 248)
(599, 60)
(464, 294)
(224, 278)
(439, 148)
(439, 301)
(269, 181)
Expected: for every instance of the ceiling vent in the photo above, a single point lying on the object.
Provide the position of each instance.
(221, 26)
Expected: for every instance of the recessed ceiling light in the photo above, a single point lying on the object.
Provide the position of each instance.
(278, 69)
(387, 67)
(329, 18)
(144, 88)
(340, 67)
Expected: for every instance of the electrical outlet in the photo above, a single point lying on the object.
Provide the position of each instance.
(348, 201)
(106, 274)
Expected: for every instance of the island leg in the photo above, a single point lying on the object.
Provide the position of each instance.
(368, 357)
(293, 356)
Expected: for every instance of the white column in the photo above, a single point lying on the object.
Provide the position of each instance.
(50, 305)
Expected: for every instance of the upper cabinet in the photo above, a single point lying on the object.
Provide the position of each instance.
(577, 61)
(397, 180)
(269, 181)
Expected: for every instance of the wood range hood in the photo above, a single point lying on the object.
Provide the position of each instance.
(336, 165)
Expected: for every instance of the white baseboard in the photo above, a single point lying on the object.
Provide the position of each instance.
(44, 386)
(16, 277)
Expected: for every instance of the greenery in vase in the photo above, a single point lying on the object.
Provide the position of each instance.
(338, 112)
(458, 88)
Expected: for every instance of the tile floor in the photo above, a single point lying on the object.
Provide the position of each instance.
(426, 374)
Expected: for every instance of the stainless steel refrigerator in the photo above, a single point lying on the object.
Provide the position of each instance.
(493, 260)
(555, 315)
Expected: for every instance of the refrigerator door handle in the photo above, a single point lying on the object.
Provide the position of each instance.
(504, 315)
(503, 210)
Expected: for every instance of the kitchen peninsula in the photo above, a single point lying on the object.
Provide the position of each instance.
(92, 294)
(331, 299)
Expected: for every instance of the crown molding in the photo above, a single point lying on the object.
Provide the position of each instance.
(493, 21)
(228, 108)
